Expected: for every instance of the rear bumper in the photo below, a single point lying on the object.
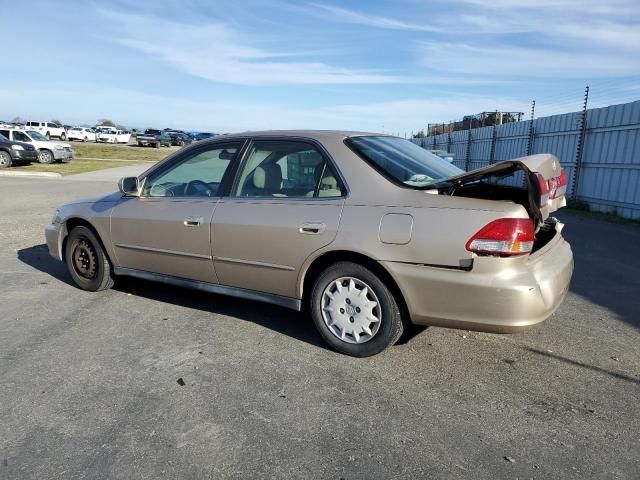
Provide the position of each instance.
(498, 295)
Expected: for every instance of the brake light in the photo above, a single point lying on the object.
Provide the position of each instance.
(558, 185)
(505, 236)
(543, 190)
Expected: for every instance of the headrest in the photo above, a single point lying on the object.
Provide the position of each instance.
(268, 177)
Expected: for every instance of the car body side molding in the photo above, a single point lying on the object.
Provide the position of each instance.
(288, 302)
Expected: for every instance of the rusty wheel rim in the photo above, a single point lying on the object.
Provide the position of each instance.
(84, 258)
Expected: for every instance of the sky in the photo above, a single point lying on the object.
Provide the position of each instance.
(227, 66)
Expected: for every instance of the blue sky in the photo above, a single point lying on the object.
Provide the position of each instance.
(378, 66)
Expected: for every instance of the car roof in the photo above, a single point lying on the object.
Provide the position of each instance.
(326, 135)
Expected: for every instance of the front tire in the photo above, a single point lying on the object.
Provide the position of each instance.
(46, 156)
(354, 311)
(86, 260)
(5, 159)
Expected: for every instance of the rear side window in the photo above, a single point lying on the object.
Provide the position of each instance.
(402, 161)
(5, 133)
(279, 168)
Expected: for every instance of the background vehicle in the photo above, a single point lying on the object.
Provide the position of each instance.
(154, 138)
(197, 136)
(49, 151)
(113, 135)
(449, 157)
(369, 231)
(48, 129)
(15, 152)
(179, 138)
(81, 133)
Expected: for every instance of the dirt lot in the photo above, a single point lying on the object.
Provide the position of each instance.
(90, 380)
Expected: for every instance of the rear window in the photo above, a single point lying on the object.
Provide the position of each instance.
(402, 161)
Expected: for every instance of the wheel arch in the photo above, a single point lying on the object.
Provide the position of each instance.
(321, 262)
(74, 222)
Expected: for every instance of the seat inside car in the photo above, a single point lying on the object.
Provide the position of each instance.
(267, 180)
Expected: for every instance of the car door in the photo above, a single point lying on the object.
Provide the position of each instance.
(167, 228)
(286, 203)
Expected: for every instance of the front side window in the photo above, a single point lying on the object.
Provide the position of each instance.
(21, 137)
(37, 136)
(5, 133)
(199, 174)
(278, 168)
(402, 161)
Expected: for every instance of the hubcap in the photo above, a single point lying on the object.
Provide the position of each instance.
(4, 158)
(351, 310)
(84, 258)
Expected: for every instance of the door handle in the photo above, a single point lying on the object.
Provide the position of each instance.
(312, 228)
(193, 221)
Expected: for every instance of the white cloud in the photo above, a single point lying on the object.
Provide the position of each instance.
(344, 15)
(511, 61)
(218, 52)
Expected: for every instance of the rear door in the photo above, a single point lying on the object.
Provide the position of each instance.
(167, 229)
(285, 204)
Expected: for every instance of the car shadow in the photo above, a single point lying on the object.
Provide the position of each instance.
(282, 320)
(606, 264)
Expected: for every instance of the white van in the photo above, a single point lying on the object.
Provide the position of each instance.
(48, 129)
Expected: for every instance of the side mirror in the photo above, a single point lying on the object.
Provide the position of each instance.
(129, 186)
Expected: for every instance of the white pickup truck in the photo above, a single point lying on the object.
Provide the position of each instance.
(48, 129)
(49, 151)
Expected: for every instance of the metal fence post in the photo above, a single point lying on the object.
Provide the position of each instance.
(468, 155)
(531, 132)
(434, 142)
(494, 136)
(449, 142)
(582, 131)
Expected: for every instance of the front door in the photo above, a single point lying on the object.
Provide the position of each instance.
(167, 229)
(286, 203)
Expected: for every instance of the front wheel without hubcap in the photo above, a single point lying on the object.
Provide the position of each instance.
(354, 311)
(86, 260)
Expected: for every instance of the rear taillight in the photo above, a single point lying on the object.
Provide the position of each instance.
(543, 189)
(558, 185)
(505, 236)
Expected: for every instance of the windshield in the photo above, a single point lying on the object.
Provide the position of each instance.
(403, 161)
(37, 136)
(152, 132)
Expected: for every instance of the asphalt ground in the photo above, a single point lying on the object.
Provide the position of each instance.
(148, 381)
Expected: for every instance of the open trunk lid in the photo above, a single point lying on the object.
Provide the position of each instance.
(544, 180)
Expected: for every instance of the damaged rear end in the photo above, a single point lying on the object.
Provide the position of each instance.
(536, 182)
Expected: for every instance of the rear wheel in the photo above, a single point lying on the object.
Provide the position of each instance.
(86, 260)
(48, 135)
(157, 145)
(354, 311)
(63, 136)
(45, 156)
(84, 140)
(5, 159)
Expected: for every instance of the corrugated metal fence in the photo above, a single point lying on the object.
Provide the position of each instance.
(606, 167)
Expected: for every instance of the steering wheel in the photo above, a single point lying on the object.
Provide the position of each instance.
(197, 188)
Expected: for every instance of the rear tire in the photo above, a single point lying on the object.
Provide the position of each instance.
(84, 140)
(5, 159)
(344, 315)
(87, 261)
(46, 156)
(63, 137)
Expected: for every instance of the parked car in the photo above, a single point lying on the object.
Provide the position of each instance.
(179, 138)
(197, 136)
(15, 152)
(367, 232)
(154, 138)
(48, 129)
(49, 151)
(82, 134)
(113, 135)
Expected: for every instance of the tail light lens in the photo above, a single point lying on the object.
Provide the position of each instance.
(558, 185)
(543, 189)
(505, 236)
